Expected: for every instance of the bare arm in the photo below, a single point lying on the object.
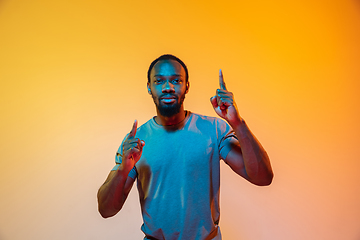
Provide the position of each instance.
(250, 160)
(113, 193)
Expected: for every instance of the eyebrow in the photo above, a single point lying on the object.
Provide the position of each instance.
(174, 75)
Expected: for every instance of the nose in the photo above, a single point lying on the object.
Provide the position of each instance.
(168, 87)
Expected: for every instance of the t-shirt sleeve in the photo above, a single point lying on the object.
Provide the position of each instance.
(226, 138)
(118, 160)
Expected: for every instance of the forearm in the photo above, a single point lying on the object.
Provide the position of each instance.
(111, 194)
(256, 161)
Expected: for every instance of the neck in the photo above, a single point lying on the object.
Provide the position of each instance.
(173, 120)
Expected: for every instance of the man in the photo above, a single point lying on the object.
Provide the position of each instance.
(175, 158)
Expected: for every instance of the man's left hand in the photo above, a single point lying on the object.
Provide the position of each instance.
(224, 104)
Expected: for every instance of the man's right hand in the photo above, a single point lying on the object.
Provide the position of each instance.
(132, 149)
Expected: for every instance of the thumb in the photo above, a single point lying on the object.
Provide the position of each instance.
(213, 101)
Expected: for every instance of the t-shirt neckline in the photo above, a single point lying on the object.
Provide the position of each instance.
(182, 123)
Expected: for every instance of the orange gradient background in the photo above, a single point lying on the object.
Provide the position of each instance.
(73, 79)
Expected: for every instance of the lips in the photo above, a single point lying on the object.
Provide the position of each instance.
(168, 99)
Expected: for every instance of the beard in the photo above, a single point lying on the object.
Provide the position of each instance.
(169, 110)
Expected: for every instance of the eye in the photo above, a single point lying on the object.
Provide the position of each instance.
(159, 81)
(176, 81)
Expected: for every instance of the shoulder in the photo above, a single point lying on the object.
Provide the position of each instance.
(212, 127)
(208, 124)
(201, 117)
(208, 119)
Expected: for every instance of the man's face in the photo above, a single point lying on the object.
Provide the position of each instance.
(168, 86)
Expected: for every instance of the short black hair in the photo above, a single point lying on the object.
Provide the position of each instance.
(168, 57)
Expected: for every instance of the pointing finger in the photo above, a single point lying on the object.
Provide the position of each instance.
(221, 81)
(133, 130)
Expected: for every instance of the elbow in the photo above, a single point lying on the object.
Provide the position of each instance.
(105, 213)
(265, 176)
(264, 181)
(267, 180)
(107, 209)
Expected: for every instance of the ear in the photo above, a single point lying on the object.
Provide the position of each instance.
(148, 88)
(187, 87)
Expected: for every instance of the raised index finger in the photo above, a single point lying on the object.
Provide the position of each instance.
(133, 130)
(221, 81)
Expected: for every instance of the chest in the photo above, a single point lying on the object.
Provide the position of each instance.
(182, 154)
